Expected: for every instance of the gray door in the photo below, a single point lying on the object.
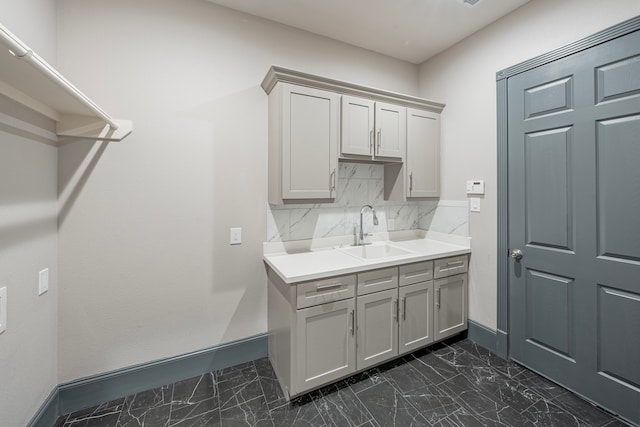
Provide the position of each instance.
(574, 213)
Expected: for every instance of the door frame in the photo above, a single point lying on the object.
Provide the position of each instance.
(611, 33)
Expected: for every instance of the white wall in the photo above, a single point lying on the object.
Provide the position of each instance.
(28, 236)
(146, 270)
(464, 77)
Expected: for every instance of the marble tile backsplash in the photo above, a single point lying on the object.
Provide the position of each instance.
(360, 184)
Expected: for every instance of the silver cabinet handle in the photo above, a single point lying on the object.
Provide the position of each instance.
(517, 254)
(353, 322)
(455, 263)
(333, 180)
(397, 307)
(328, 286)
(438, 298)
(371, 141)
(410, 182)
(379, 140)
(404, 308)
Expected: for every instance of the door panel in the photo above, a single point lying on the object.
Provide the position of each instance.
(548, 189)
(618, 318)
(548, 317)
(391, 136)
(618, 159)
(357, 126)
(416, 325)
(574, 212)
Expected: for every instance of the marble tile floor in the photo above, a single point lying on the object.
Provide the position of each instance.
(455, 383)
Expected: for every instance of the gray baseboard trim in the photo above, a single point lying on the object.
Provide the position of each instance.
(48, 412)
(91, 391)
(482, 335)
(502, 347)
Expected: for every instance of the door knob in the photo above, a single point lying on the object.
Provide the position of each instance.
(516, 254)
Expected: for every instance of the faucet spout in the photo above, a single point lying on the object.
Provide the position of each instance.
(375, 221)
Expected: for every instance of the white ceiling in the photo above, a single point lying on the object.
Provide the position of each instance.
(411, 30)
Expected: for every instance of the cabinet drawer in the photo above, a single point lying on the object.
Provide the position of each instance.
(325, 290)
(377, 280)
(416, 273)
(449, 266)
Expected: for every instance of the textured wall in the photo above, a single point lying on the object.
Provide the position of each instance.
(146, 268)
(465, 78)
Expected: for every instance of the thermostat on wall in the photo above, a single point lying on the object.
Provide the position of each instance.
(475, 187)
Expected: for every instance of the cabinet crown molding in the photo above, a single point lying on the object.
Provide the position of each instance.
(278, 74)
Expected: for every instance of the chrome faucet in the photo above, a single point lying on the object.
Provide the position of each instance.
(375, 222)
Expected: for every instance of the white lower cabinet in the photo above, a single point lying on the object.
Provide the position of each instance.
(377, 327)
(324, 330)
(416, 322)
(451, 305)
(325, 343)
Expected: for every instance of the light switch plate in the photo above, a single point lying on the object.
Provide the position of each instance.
(235, 236)
(3, 309)
(43, 281)
(474, 204)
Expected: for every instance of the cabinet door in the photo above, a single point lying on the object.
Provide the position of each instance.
(416, 322)
(377, 327)
(357, 126)
(423, 153)
(325, 344)
(391, 133)
(310, 126)
(450, 315)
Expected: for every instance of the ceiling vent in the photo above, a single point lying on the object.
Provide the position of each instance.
(470, 3)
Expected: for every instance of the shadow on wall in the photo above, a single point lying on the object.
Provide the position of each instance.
(238, 196)
(74, 171)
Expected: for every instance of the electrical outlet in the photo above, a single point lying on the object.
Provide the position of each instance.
(235, 236)
(43, 281)
(3, 309)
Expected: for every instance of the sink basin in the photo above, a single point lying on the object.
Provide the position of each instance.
(375, 251)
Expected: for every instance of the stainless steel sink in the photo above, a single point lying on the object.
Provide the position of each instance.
(375, 251)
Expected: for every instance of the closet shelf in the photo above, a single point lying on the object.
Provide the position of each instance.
(28, 79)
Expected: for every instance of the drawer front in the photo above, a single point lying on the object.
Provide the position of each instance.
(416, 273)
(449, 266)
(377, 280)
(326, 290)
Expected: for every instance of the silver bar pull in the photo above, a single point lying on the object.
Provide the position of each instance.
(438, 298)
(379, 140)
(397, 314)
(371, 141)
(404, 308)
(333, 180)
(328, 286)
(353, 322)
(410, 182)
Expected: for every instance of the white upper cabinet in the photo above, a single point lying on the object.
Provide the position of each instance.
(391, 124)
(372, 129)
(423, 153)
(303, 141)
(315, 121)
(358, 126)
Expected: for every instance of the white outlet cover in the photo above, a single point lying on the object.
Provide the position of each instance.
(474, 204)
(3, 309)
(235, 236)
(43, 281)
(391, 224)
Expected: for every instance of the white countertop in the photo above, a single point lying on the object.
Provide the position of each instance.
(304, 260)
